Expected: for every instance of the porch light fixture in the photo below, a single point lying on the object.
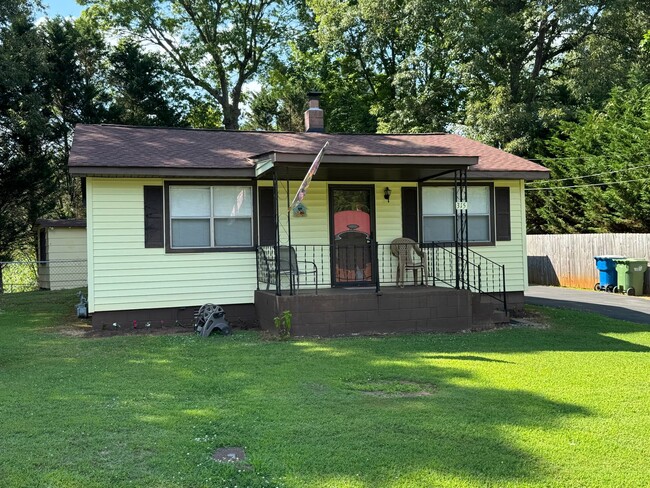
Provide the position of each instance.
(387, 192)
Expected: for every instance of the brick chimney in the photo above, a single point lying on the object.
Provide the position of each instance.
(314, 120)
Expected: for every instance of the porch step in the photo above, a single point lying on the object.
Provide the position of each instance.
(486, 311)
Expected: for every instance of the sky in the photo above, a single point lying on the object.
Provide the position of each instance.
(64, 8)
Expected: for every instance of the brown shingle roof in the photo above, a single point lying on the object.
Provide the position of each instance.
(61, 222)
(114, 146)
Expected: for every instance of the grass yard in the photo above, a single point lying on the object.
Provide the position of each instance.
(565, 406)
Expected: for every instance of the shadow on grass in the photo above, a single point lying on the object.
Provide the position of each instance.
(465, 358)
(300, 421)
(459, 430)
(290, 406)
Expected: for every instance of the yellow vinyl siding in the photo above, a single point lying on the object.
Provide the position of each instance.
(66, 243)
(90, 242)
(66, 256)
(314, 227)
(126, 275)
(511, 253)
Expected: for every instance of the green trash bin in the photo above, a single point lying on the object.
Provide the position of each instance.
(630, 275)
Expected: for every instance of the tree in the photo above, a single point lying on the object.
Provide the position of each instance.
(75, 92)
(523, 60)
(26, 182)
(404, 51)
(281, 103)
(613, 57)
(613, 145)
(140, 88)
(216, 45)
(91, 82)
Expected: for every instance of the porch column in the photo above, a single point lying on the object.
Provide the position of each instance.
(462, 229)
(290, 250)
(276, 196)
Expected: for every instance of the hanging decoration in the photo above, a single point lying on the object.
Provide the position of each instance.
(300, 210)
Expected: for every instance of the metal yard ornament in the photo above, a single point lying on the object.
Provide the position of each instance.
(300, 194)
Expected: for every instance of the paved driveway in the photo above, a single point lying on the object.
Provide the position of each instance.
(622, 307)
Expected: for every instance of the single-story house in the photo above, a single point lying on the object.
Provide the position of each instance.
(62, 254)
(182, 217)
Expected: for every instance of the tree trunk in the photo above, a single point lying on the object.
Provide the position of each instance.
(2, 287)
(230, 117)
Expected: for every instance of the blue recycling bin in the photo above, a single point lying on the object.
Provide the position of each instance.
(607, 273)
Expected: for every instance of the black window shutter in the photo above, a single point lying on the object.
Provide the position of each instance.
(502, 211)
(84, 191)
(154, 225)
(266, 214)
(410, 212)
(42, 244)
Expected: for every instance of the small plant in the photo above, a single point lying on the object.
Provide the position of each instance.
(283, 324)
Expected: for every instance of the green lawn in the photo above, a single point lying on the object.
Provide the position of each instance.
(563, 406)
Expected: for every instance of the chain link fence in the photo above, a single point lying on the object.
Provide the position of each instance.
(21, 276)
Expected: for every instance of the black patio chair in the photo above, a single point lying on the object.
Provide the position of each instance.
(288, 266)
(266, 267)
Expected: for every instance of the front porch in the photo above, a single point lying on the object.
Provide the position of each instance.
(332, 260)
(351, 289)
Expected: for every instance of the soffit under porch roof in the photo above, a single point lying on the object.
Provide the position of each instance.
(384, 167)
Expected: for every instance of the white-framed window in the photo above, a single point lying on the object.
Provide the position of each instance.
(439, 221)
(218, 216)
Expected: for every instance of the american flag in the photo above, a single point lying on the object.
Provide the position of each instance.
(300, 194)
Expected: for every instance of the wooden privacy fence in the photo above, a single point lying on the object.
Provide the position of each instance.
(568, 259)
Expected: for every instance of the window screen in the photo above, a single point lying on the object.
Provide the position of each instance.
(211, 217)
(439, 222)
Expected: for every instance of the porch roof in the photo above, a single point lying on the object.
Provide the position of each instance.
(381, 167)
(100, 150)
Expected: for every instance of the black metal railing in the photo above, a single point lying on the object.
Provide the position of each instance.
(476, 273)
(489, 277)
(285, 269)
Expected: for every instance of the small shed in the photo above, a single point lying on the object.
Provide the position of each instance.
(62, 254)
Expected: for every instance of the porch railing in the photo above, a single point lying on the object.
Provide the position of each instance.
(311, 267)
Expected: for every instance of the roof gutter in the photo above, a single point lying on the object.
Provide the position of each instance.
(476, 174)
(378, 159)
(225, 173)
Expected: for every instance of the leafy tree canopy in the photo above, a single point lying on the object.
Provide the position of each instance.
(53, 76)
(216, 45)
(26, 182)
(613, 144)
(503, 72)
(141, 90)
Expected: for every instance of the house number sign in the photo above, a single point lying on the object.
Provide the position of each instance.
(461, 205)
